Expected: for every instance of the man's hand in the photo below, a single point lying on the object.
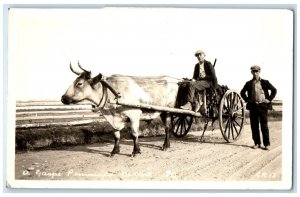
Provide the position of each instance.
(267, 101)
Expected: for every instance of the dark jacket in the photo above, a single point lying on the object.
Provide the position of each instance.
(266, 86)
(209, 71)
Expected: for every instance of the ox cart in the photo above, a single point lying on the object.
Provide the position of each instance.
(224, 105)
(130, 97)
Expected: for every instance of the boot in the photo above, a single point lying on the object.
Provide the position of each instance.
(187, 106)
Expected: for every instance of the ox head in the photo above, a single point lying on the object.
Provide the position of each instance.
(83, 88)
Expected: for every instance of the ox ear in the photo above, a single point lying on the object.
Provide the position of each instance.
(97, 78)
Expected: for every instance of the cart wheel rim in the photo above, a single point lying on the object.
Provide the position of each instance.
(231, 116)
(181, 124)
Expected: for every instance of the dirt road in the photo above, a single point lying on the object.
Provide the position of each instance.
(188, 159)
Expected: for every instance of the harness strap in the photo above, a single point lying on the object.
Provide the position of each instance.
(117, 94)
(104, 98)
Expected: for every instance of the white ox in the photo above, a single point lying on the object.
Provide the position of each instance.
(159, 91)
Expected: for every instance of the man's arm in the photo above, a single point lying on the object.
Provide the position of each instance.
(243, 93)
(196, 72)
(273, 90)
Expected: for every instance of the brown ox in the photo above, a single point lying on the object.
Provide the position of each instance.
(160, 91)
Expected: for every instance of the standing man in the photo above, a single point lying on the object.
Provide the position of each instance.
(204, 77)
(258, 101)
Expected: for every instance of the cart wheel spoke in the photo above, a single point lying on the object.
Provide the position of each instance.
(237, 123)
(228, 103)
(232, 130)
(227, 125)
(231, 101)
(184, 124)
(236, 130)
(227, 109)
(229, 129)
(177, 121)
(178, 127)
(239, 108)
(181, 125)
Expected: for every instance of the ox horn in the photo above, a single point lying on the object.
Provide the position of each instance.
(77, 73)
(82, 68)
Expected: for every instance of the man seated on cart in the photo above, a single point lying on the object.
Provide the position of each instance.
(204, 77)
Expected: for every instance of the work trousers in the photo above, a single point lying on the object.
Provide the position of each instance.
(259, 116)
(196, 85)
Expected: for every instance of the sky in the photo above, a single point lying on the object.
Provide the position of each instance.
(145, 42)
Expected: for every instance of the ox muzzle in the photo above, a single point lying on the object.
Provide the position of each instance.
(66, 100)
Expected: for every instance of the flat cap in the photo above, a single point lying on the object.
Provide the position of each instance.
(199, 51)
(255, 67)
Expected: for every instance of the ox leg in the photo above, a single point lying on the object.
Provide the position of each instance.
(135, 136)
(116, 149)
(166, 119)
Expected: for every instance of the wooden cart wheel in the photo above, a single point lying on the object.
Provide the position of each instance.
(231, 116)
(181, 124)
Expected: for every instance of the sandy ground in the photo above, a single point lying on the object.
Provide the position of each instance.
(189, 159)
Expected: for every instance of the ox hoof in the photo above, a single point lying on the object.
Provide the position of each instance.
(165, 148)
(135, 154)
(114, 152)
(111, 155)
